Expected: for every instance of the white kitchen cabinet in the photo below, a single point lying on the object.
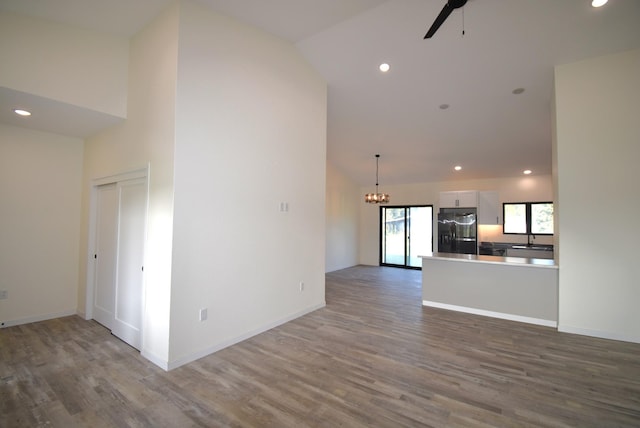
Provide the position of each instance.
(460, 199)
(489, 209)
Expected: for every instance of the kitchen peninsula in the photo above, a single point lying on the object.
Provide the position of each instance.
(514, 288)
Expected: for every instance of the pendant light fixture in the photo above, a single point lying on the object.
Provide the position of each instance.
(376, 198)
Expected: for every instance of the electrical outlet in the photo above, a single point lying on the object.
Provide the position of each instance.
(204, 314)
(4, 294)
(301, 286)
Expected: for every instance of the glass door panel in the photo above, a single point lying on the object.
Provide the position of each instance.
(420, 237)
(393, 236)
(406, 233)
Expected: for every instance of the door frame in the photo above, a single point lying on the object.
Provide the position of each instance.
(93, 220)
(380, 238)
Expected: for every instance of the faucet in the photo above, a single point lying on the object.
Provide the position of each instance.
(529, 239)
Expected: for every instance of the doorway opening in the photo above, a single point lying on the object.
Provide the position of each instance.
(406, 233)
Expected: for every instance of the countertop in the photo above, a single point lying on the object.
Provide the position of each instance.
(512, 261)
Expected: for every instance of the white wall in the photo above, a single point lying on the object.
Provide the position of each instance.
(343, 201)
(40, 177)
(146, 138)
(517, 189)
(250, 134)
(79, 67)
(597, 151)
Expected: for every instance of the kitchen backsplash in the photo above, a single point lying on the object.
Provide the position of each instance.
(493, 233)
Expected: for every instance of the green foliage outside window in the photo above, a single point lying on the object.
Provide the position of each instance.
(542, 218)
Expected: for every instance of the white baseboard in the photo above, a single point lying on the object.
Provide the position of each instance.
(37, 318)
(160, 362)
(598, 333)
(219, 346)
(501, 315)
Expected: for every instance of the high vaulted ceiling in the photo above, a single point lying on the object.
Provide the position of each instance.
(488, 130)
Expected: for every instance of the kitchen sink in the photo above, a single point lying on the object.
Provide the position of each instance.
(533, 247)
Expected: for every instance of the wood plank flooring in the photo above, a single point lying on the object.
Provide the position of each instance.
(373, 357)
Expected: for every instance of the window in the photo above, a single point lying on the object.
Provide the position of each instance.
(528, 218)
(542, 218)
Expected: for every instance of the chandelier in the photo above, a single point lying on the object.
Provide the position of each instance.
(376, 198)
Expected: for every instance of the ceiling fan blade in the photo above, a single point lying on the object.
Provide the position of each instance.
(444, 14)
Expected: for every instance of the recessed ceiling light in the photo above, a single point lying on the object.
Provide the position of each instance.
(527, 172)
(22, 112)
(598, 3)
(457, 167)
(384, 67)
(444, 106)
(517, 91)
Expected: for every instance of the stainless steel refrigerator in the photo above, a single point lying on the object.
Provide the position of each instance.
(457, 231)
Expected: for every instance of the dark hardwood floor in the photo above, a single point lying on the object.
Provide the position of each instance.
(373, 357)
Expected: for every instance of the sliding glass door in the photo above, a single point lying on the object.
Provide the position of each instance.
(406, 233)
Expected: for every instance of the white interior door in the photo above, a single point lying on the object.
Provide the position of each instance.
(129, 279)
(119, 255)
(104, 300)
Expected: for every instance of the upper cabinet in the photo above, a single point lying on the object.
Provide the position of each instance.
(488, 204)
(489, 211)
(461, 199)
